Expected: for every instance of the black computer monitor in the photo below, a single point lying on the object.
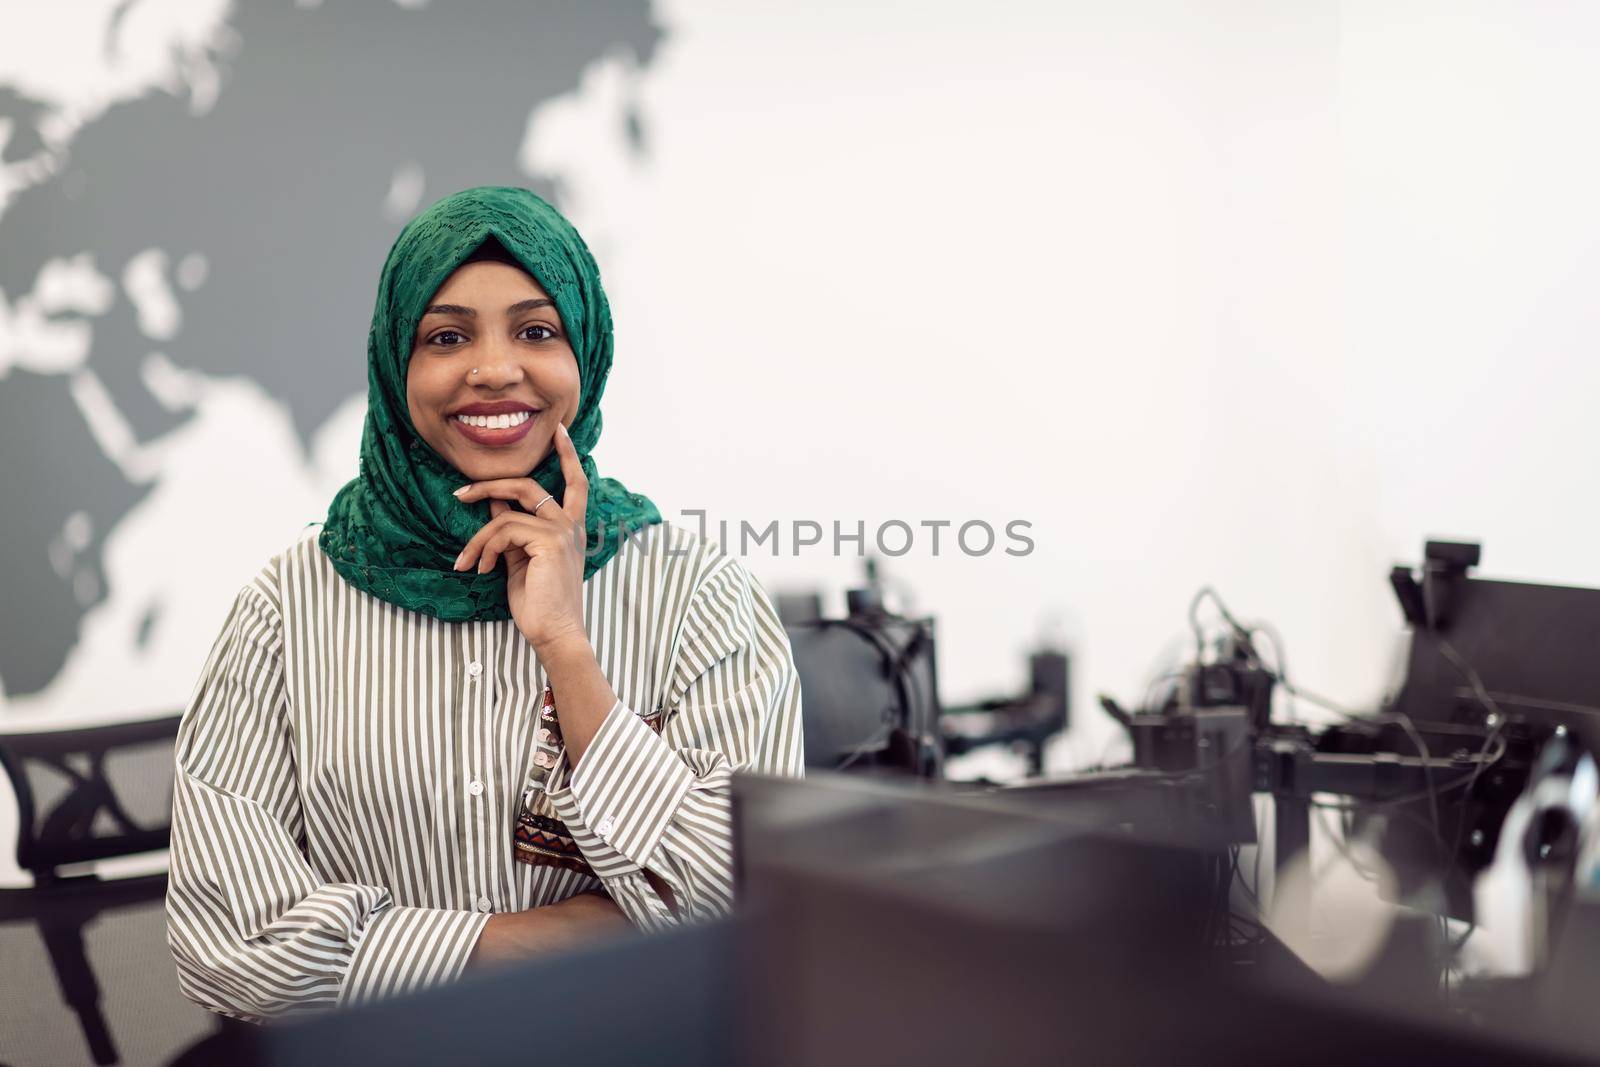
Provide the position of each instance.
(1534, 648)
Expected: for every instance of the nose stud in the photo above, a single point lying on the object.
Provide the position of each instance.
(474, 370)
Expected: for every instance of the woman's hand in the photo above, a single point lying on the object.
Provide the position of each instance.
(543, 550)
(569, 924)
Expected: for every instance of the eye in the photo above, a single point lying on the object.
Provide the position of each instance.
(549, 334)
(439, 338)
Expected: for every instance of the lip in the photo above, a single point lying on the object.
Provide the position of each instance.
(493, 437)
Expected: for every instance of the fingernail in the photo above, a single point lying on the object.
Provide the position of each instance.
(457, 565)
(564, 432)
(463, 489)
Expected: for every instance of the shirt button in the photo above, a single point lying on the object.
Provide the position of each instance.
(605, 827)
(484, 905)
(475, 787)
(474, 668)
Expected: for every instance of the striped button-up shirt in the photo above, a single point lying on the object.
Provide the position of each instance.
(359, 786)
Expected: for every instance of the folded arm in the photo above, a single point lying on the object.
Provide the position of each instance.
(254, 931)
(652, 811)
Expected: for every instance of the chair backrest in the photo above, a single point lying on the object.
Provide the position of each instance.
(867, 682)
(92, 793)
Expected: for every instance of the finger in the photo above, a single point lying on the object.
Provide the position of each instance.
(496, 509)
(512, 537)
(575, 501)
(525, 491)
(474, 546)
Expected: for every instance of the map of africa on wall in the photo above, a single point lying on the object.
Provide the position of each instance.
(187, 269)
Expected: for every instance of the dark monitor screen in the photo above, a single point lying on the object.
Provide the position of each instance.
(1535, 648)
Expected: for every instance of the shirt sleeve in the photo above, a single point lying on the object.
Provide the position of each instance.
(641, 801)
(254, 930)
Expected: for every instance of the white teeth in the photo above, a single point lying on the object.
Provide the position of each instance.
(496, 422)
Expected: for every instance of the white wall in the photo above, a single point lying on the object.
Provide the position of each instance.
(1256, 294)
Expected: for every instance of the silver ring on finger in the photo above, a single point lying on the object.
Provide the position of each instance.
(547, 498)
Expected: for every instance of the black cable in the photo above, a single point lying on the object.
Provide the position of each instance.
(1150, 687)
(1449, 870)
(1411, 731)
(1243, 938)
(870, 745)
(1461, 827)
(1255, 868)
(1494, 739)
(1541, 704)
(1208, 592)
(1341, 842)
(1279, 672)
(1404, 721)
(1280, 675)
(1460, 663)
(1238, 875)
(1220, 880)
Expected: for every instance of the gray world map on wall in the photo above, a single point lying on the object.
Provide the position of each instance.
(279, 186)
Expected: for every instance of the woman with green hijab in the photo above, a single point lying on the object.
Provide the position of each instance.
(395, 530)
(492, 706)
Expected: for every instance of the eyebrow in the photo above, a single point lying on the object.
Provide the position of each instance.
(472, 313)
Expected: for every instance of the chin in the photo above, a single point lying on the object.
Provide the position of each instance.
(487, 468)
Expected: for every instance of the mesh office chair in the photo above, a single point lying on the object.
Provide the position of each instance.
(86, 795)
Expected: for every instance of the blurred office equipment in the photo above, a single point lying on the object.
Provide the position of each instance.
(1476, 783)
(871, 700)
(84, 797)
(1504, 668)
(869, 685)
(1500, 676)
(927, 924)
(1025, 721)
(896, 916)
(1497, 671)
(891, 920)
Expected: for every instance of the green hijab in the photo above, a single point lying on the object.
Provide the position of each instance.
(395, 530)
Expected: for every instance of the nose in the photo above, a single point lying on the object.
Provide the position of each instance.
(497, 366)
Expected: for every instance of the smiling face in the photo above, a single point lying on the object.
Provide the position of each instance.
(501, 421)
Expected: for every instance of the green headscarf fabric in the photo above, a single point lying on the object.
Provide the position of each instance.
(395, 530)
